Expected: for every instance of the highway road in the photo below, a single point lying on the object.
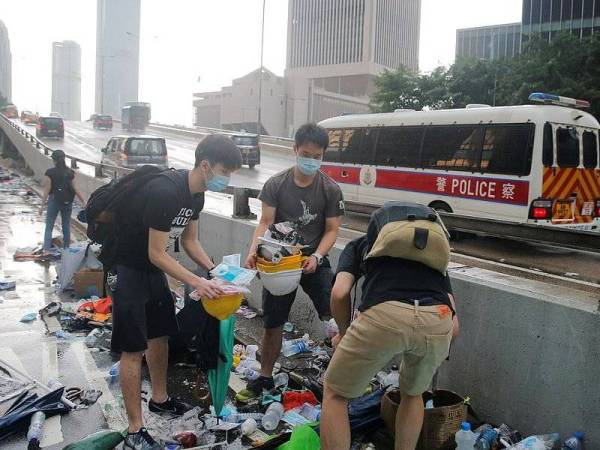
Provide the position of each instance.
(568, 267)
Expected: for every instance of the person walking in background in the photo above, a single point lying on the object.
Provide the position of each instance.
(60, 190)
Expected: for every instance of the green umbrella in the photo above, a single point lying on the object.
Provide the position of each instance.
(218, 379)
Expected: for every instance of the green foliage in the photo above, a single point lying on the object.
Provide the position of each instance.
(565, 67)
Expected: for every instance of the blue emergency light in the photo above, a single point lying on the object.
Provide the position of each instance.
(551, 99)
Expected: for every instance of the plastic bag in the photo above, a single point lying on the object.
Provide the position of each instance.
(72, 260)
(303, 438)
(540, 442)
(233, 274)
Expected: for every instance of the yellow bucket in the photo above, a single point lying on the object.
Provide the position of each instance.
(223, 307)
(279, 267)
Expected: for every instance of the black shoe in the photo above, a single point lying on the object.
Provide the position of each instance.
(255, 388)
(171, 407)
(140, 441)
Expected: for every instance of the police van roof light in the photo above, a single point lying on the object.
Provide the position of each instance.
(552, 99)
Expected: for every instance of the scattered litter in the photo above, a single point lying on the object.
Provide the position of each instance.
(288, 327)
(30, 317)
(542, 442)
(65, 335)
(572, 274)
(246, 312)
(7, 285)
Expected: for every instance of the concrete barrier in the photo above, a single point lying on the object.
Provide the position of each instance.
(528, 354)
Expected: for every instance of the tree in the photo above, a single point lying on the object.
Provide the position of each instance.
(397, 90)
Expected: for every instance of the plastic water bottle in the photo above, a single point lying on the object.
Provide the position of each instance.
(241, 417)
(310, 412)
(575, 442)
(114, 372)
(36, 430)
(293, 348)
(250, 374)
(393, 378)
(465, 439)
(281, 379)
(487, 439)
(272, 416)
(248, 427)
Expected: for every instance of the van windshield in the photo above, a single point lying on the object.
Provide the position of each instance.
(245, 140)
(147, 147)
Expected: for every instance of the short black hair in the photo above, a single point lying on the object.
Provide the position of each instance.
(313, 134)
(219, 149)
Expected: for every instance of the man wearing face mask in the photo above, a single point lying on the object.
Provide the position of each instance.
(164, 210)
(306, 196)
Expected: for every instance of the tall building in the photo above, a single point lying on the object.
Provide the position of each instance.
(547, 17)
(66, 79)
(117, 54)
(491, 42)
(235, 107)
(5, 63)
(337, 47)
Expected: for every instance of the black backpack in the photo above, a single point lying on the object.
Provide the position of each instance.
(103, 207)
(62, 186)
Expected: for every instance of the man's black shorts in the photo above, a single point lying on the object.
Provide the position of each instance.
(143, 308)
(317, 285)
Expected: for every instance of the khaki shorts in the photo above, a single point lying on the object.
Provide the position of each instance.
(420, 334)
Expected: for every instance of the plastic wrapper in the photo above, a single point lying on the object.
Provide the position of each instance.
(540, 442)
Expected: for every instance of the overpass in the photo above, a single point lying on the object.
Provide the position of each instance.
(527, 354)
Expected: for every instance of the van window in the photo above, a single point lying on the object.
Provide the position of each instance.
(245, 140)
(399, 146)
(508, 149)
(548, 147)
(453, 147)
(352, 146)
(590, 150)
(51, 122)
(567, 147)
(146, 147)
(332, 154)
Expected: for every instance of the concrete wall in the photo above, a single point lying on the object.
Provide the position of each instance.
(528, 354)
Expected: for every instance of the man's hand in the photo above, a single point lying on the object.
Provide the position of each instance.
(335, 341)
(250, 261)
(207, 288)
(310, 265)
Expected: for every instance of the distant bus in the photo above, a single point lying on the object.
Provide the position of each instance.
(10, 111)
(135, 115)
(524, 164)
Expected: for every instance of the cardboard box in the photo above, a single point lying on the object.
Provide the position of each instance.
(89, 282)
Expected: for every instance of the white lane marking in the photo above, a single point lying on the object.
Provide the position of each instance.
(111, 409)
(52, 427)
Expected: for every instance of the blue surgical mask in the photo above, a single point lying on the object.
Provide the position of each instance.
(308, 166)
(217, 183)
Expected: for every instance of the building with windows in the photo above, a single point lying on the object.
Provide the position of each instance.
(235, 107)
(491, 42)
(547, 17)
(66, 79)
(5, 63)
(117, 54)
(337, 47)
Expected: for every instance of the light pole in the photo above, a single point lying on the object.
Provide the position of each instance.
(260, 76)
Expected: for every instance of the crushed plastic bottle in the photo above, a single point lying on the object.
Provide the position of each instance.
(248, 427)
(36, 430)
(575, 442)
(113, 373)
(465, 439)
(540, 442)
(272, 416)
(310, 412)
(487, 439)
(290, 348)
(249, 374)
(281, 380)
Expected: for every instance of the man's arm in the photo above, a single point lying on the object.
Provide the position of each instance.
(78, 193)
(46, 184)
(157, 245)
(332, 226)
(341, 300)
(267, 218)
(192, 246)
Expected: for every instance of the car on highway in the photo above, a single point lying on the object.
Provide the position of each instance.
(50, 127)
(248, 144)
(135, 151)
(102, 121)
(10, 111)
(29, 118)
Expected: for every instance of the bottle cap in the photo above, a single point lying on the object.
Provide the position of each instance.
(465, 426)
(579, 435)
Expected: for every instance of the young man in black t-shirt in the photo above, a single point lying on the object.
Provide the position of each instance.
(407, 308)
(164, 210)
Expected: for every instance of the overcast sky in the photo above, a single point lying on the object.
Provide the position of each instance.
(190, 46)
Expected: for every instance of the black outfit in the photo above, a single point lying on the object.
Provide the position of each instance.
(393, 279)
(61, 183)
(143, 306)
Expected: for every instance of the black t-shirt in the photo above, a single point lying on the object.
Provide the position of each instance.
(393, 279)
(164, 204)
(61, 180)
